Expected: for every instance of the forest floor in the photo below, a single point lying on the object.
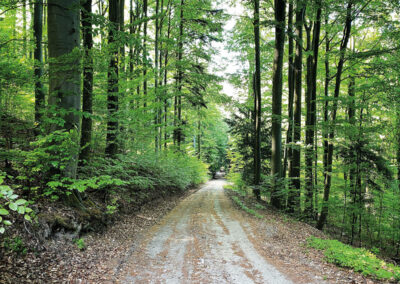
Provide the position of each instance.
(202, 237)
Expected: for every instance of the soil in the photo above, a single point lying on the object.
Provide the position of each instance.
(202, 237)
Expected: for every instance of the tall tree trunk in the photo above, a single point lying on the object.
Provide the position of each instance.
(276, 161)
(64, 70)
(145, 63)
(312, 64)
(156, 77)
(315, 48)
(166, 134)
(257, 102)
(294, 170)
(87, 92)
(24, 35)
(113, 74)
(289, 135)
(38, 65)
(178, 97)
(308, 206)
(328, 173)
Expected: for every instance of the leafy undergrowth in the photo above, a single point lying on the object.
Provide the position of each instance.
(358, 259)
(236, 197)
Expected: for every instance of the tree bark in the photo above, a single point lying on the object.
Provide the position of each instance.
(257, 102)
(113, 74)
(276, 160)
(289, 135)
(87, 92)
(64, 70)
(38, 65)
(294, 170)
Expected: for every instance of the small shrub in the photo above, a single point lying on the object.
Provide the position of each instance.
(245, 208)
(80, 243)
(16, 245)
(359, 259)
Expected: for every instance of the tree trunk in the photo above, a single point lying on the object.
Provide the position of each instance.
(145, 63)
(308, 206)
(113, 73)
(289, 135)
(329, 160)
(87, 92)
(276, 161)
(24, 36)
(257, 102)
(178, 98)
(38, 65)
(64, 69)
(294, 170)
(156, 76)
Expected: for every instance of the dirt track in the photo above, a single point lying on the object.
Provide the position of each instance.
(203, 240)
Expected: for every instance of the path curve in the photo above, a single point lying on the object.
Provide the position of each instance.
(202, 240)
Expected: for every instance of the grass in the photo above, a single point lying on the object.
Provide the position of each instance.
(359, 259)
(245, 208)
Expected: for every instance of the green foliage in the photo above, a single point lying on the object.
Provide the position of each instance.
(359, 259)
(9, 202)
(15, 245)
(245, 208)
(80, 243)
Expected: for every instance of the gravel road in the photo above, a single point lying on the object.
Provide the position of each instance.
(203, 240)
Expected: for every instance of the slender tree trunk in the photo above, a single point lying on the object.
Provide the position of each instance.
(145, 63)
(289, 135)
(315, 48)
(276, 161)
(87, 92)
(166, 134)
(156, 77)
(328, 173)
(178, 97)
(24, 34)
(64, 70)
(38, 65)
(294, 170)
(113, 74)
(308, 206)
(257, 102)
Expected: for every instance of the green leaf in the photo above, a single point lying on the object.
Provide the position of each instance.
(2, 230)
(13, 206)
(27, 217)
(20, 201)
(8, 223)
(28, 210)
(21, 210)
(4, 211)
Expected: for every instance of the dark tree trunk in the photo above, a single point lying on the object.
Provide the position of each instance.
(87, 92)
(257, 101)
(113, 74)
(38, 56)
(178, 98)
(64, 70)
(312, 64)
(145, 63)
(289, 135)
(156, 77)
(308, 206)
(276, 160)
(331, 136)
(294, 170)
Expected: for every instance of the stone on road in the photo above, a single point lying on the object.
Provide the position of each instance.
(203, 240)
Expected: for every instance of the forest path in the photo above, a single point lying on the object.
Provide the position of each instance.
(202, 240)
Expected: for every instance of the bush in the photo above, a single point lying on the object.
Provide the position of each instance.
(359, 259)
